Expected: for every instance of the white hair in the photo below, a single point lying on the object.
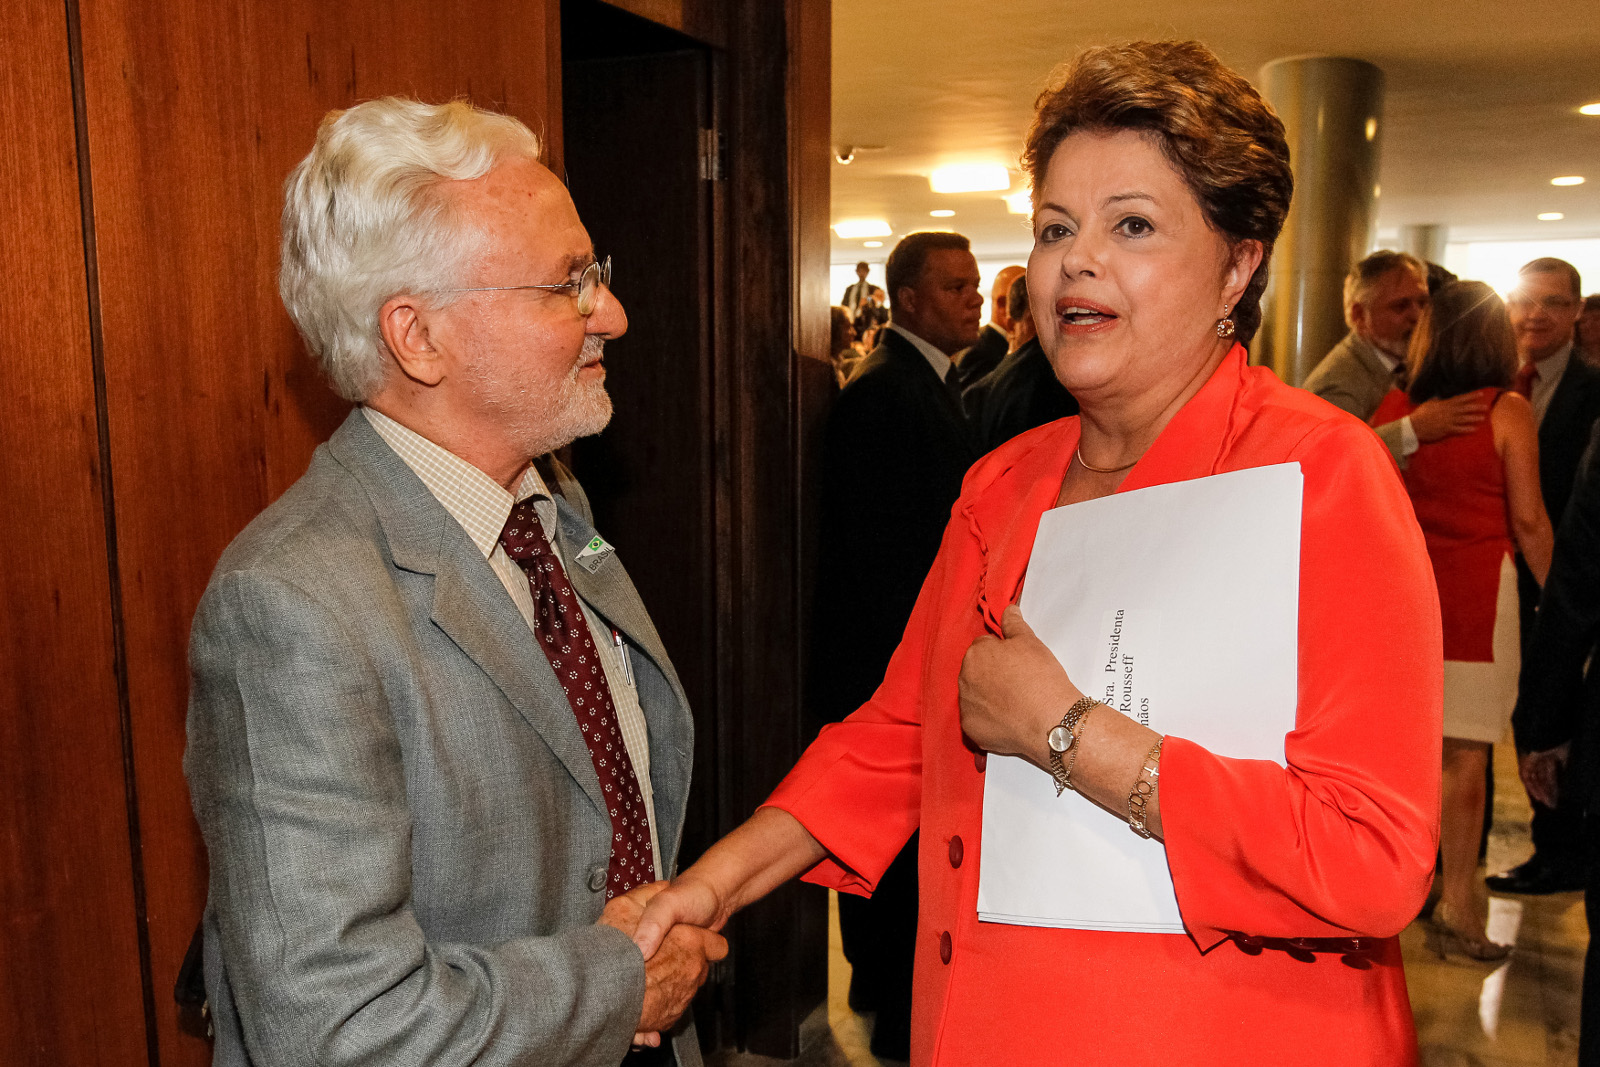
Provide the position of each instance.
(364, 219)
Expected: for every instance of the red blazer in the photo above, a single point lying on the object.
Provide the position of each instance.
(1339, 844)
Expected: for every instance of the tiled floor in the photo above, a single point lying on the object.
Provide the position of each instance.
(1520, 1013)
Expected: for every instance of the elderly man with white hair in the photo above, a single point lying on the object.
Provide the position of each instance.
(436, 749)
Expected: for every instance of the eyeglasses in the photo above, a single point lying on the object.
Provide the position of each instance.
(1555, 305)
(586, 288)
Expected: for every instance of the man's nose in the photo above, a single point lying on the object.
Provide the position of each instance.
(608, 319)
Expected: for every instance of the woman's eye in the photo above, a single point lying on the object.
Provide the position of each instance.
(1134, 226)
(1053, 232)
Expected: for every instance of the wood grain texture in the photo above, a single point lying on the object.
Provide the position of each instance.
(70, 992)
(196, 114)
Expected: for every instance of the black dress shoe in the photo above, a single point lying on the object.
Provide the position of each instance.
(1535, 878)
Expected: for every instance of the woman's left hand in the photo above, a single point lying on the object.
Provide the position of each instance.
(1013, 691)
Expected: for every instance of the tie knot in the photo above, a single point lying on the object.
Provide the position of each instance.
(523, 537)
(1527, 374)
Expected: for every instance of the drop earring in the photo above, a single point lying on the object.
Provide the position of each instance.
(1224, 324)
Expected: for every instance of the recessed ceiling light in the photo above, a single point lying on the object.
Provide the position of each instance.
(1551, 216)
(1570, 179)
(871, 244)
(1019, 203)
(1590, 109)
(942, 213)
(852, 229)
(970, 178)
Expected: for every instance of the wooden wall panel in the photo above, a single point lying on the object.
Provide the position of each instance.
(196, 113)
(70, 991)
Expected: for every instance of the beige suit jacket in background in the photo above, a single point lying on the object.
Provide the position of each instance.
(1353, 377)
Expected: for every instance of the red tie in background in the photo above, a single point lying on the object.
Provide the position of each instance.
(560, 629)
(1527, 374)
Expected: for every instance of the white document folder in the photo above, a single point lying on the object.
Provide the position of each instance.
(1178, 605)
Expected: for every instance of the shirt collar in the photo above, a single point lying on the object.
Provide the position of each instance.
(1553, 366)
(1388, 361)
(479, 503)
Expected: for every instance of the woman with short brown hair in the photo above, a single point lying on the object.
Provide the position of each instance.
(1161, 180)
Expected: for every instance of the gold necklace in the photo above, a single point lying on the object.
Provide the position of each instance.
(1101, 470)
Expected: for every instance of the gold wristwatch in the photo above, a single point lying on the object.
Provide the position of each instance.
(1063, 740)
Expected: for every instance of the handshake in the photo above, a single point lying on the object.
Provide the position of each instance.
(674, 926)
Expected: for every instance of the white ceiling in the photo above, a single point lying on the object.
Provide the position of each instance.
(1480, 108)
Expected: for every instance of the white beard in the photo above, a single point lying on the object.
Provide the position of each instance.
(544, 423)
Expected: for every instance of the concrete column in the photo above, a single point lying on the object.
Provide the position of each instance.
(1426, 241)
(1332, 111)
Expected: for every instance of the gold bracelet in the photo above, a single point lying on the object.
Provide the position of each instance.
(1144, 787)
(1064, 739)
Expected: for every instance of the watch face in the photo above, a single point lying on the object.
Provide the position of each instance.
(1060, 739)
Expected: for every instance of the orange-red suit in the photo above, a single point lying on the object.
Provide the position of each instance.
(1339, 844)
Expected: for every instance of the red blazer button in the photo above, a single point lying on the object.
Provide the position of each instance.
(980, 760)
(956, 851)
(944, 947)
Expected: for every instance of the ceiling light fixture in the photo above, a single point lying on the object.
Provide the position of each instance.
(1570, 179)
(942, 213)
(1551, 216)
(871, 244)
(1020, 203)
(970, 178)
(854, 229)
(1590, 109)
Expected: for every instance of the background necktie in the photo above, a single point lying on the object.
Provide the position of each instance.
(562, 632)
(1527, 374)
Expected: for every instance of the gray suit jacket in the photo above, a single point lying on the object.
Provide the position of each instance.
(1352, 376)
(407, 838)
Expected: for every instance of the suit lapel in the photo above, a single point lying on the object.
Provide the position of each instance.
(469, 604)
(1565, 404)
(917, 365)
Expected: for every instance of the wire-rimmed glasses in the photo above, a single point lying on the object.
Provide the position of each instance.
(586, 288)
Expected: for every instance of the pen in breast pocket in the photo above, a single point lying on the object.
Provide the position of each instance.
(622, 654)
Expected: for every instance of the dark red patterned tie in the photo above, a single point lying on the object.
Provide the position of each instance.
(1527, 374)
(560, 629)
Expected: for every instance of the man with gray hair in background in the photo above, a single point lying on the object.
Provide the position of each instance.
(436, 750)
(1384, 297)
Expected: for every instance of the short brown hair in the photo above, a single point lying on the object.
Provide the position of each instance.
(1210, 123)
(1552, 265)
(910, 257)
(1463, 343)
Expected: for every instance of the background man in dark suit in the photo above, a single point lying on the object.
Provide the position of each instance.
(436, 749)
(1023, 391)
(894, 452)
(855, 294)
(995, 339)
(1565, 393)
(1558, 706)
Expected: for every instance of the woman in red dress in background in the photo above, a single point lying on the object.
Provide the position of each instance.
(1160, 182)
(1477, 497)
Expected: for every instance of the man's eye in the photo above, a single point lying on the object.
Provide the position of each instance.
(1134, 226)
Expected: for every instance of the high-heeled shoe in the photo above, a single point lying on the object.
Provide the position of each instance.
(1444, 938)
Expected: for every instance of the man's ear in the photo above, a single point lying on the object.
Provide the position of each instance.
(905, 299)
(403, 324)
